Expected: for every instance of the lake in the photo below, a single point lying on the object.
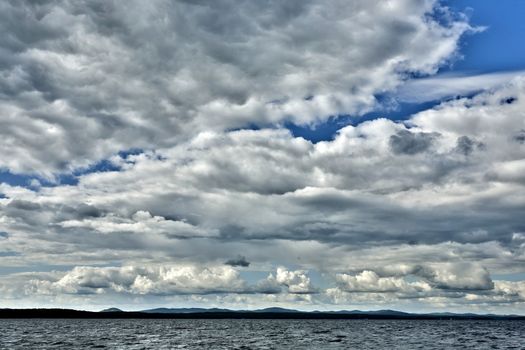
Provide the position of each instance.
(259, 334)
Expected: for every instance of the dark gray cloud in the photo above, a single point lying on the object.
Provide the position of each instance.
(407, 142)
(87, 211)
(520, 137)
(465, 145)
(240, 261)
(23, 205)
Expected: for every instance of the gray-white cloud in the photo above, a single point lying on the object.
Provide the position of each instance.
(450, 86)
(159, 280)
(82, 80)
(267, 185)
(421, 211)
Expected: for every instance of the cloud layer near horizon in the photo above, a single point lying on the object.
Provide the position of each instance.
(422, 212)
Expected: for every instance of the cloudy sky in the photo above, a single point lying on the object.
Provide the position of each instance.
(244, 154)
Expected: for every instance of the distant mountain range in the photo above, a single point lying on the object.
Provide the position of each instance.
(268, 313)
(267, 310)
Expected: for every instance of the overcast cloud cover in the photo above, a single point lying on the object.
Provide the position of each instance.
(206, 198)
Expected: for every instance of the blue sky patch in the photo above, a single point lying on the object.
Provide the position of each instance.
(499, 47)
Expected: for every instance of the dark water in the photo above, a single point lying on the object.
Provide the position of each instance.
(260, 334)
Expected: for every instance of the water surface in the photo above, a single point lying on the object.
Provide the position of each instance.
(260, 334)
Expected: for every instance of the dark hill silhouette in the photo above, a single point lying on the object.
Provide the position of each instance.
(112, 309)
(270, 313)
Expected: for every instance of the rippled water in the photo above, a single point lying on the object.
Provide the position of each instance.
(260, 334)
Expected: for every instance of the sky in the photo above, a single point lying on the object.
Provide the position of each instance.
(304, 154)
